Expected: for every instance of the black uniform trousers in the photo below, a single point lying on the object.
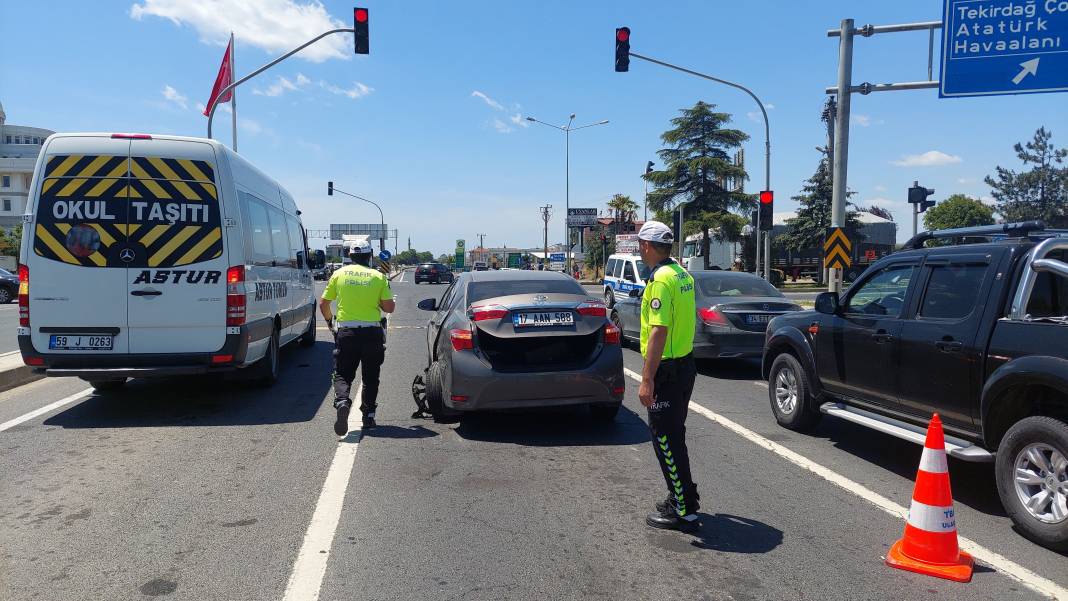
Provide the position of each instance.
(354, 347)
(672, 388)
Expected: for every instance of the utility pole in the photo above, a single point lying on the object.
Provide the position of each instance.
(546, 214)
(829, 113)
(481, 238)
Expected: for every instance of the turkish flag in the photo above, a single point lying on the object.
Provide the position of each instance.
(225, 78)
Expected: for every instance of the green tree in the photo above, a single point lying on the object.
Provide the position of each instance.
(445, 259)
(698, 170)
(11, 240)
(958, 211)
(809, 227)
(1039, 193)
(623, 210)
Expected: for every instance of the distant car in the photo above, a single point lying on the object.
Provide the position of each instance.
(9, 286)
(733, 311)
(521, 339)
(321, 274)
(433, 273)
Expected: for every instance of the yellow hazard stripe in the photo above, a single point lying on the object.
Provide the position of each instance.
(105, 237)
(64, 255)
(98, 259)
(127, 229)
(172, 244)
(174, 178)
(148, 182)
(193, 170)
(65, 166)
(153, 234)
(98, 189)
(48, 184)
(95, 165)
(210, 189)
(71, 187)
(200, 247)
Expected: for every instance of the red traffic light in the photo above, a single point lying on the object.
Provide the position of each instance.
(623, 34)
(361, 15)
(767, 197)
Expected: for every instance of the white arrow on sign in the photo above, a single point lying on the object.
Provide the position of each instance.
(1029, 67)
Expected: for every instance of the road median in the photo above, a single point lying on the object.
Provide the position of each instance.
(15, 373)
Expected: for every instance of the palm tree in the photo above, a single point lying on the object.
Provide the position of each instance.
(623, 210)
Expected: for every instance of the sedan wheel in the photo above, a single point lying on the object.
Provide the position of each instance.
(5, 296)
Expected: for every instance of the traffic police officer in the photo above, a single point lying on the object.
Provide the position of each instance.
(362, 294)
(668, 322)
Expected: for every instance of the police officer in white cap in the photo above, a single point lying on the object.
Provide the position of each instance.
(362, 294)
(668, 322)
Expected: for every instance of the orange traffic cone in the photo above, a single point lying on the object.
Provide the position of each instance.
(930, 542)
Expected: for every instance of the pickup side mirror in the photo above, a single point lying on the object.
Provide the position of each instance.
(827, 303)
(429, 304)
(635, 292)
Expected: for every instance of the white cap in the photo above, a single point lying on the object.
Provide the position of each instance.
(654, 231)
(360, 247)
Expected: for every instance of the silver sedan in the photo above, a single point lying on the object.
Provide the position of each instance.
(733, 311)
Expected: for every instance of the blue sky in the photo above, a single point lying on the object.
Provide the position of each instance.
(431, 125)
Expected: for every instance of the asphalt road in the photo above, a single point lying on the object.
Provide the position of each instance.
(200, 489)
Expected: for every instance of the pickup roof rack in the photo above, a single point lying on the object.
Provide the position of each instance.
(1018, 229)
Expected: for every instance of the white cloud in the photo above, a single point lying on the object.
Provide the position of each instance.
(358, 90)
(283, 85)
(965, 180)
(489, 101)
(880, 188)
(931, 158)
(518, 119)
(757, 116)
(861, 120)
(275, 26)
(174, 96)
(250, 125)
(501, 127)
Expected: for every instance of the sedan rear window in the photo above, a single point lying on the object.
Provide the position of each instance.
(734, 284)
(480, 291)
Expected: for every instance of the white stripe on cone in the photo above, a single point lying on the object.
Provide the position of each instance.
(933, 461)
(930, 518)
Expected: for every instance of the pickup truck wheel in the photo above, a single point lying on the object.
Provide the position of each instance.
(790, 394)
(1032, 478)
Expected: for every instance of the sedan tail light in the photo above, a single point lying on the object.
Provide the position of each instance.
(484, 312)
(235, 296)
(612, 335)
(593, 308)
(712, 317)
(461, 340)
(24, 296)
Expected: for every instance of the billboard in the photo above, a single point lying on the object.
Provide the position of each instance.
(581, 217)
(627, 244)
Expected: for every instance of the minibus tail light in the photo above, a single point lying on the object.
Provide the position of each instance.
(24, 296)
(235, 296)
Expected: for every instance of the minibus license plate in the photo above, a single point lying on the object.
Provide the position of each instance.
(80, 342)
(542, 319)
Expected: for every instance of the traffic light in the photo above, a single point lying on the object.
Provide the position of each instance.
(918, 196)
(649, 168)
(359, 24)
(622, 49)
(329, 188)
(767, 211)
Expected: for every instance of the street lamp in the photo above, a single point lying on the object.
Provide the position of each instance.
(330, 189)
(567, 129)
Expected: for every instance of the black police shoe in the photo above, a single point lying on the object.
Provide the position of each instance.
(693, 503)
(671, 520)
(341, 426)
(369, 421)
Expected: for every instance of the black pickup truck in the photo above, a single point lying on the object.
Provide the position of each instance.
(975, 332)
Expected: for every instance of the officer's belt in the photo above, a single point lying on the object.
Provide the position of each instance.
(359, 324)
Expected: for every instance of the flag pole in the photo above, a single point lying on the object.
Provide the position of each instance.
(233, 98)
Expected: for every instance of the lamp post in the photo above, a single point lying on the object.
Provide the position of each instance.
(567, 129)
(330, 189)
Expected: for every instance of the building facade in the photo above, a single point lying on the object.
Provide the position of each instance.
(19, 147)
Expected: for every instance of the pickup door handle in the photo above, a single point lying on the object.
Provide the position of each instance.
(949, 346)
(146, 293)
(882, 336)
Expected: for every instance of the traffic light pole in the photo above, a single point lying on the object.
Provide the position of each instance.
(767, 145)
(844, 91)
(211, 109)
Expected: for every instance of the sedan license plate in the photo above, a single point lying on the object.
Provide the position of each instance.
(80, 342)
(759, 318)
(543, 319)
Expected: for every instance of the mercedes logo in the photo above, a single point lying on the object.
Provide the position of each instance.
(766, 306)
(126, 255)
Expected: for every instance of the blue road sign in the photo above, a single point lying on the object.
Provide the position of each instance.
(385, 255)
(994, 47)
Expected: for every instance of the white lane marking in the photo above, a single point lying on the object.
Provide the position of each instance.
(998, 562)
(760, 384)
(8, 354)
(49, 407)
(310, 567)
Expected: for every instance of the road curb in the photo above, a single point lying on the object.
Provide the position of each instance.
(14, 373)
